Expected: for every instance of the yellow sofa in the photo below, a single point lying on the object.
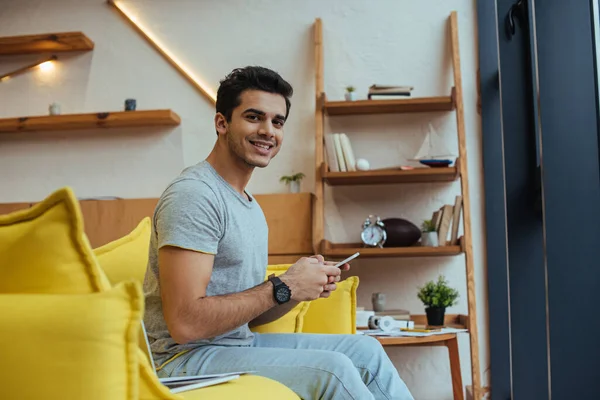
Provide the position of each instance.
(75, 315)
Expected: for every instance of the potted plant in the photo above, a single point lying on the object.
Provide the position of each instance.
(293, 181)
(437, 296)
(429, 236)
(350, 93)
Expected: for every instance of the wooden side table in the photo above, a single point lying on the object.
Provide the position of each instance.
(449, 340)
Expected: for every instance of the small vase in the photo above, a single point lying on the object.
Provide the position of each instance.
(54, 109)
(295, 187)
(435, 316)
(429, 239)
(350, 96)
(378, 301)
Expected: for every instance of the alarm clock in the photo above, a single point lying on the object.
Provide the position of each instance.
(373, 232)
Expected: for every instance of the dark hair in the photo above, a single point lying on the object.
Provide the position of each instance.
(250, 78)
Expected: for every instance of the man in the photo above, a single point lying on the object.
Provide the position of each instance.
(205, 284)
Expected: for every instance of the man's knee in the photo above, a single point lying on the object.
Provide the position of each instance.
(368, 345)
(340, 365)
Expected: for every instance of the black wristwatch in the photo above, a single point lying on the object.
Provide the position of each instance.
(281, 292)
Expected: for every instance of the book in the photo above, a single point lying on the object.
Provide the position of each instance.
(386, 91)
(456, 220)
(339, 153)
(332, 161)
(348, 152)
(445, 224)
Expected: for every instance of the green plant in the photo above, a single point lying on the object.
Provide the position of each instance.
(428, 226)
(350, 89)
(438, 294)
(292, 178)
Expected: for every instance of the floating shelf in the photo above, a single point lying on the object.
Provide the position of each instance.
(47, 42)
(408, 105)
(119, 119)
(343, 250)
(387, 176)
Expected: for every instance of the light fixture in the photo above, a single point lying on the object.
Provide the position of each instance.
(162, 49)
(45, 65)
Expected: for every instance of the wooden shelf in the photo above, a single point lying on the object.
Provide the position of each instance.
(119, 119)
(389, 176)
(343, 250)
(47, 42)
(408, 105)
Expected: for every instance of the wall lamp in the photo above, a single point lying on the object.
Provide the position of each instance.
(187, 73)
(45, 64)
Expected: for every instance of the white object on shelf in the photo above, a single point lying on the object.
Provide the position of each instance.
(362, 165)
(362, 317)
(433, 148)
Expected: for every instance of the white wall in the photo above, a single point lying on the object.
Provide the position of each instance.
(385, 42)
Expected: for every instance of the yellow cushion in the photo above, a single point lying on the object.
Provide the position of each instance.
(72, 346)
(247, 387)
(335, 314)
(290, 322)
(127, 257)
(44, 249)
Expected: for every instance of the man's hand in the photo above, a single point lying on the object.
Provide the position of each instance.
(310, 277)
(331, 281)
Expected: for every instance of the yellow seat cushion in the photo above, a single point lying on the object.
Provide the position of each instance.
(292, 321)
(247, 387)
(127, 257)
(71, 346)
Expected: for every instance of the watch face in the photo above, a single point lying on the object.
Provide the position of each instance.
(372, 235)
(282, 294)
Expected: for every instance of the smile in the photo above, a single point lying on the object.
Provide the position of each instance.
(262, 145)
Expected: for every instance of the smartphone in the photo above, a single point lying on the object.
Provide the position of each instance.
(352, 257)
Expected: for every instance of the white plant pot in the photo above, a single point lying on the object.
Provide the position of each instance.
(295, 187)
(350, 96)
(429, 239)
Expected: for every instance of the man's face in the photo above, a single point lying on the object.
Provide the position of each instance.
(255, 132)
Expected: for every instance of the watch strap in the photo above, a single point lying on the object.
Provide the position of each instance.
(276, 281)
(276, 284)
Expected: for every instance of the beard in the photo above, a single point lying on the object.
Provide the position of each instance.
(241, 152)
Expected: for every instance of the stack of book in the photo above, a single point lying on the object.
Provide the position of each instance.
(340, 155)
(398, 315)
(388, 92)
(446, 221)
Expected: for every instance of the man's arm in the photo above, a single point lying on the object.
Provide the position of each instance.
(274, 313)
(190, 314)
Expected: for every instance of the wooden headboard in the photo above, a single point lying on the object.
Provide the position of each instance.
(289, 216)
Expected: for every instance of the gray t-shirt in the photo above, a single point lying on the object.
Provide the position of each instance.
(200, 211)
